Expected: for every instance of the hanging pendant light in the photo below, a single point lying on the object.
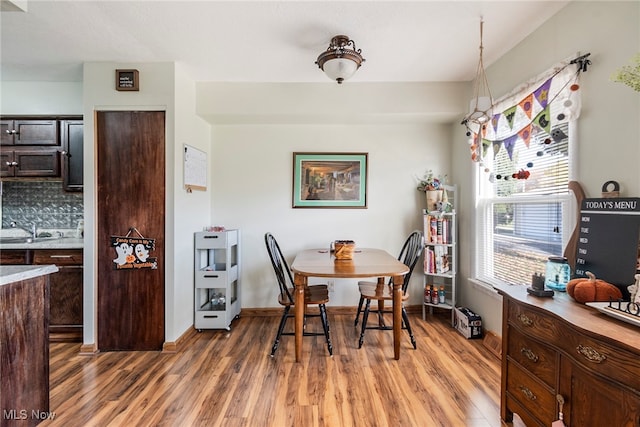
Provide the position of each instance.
(341, 59)
(481, 106)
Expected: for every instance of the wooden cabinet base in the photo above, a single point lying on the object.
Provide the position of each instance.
(558, 347)
(24, 353)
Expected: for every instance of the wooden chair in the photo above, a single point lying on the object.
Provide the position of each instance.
(381, 292)
(313, 295)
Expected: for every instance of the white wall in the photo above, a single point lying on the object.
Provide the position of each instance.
(186, 212)
(158, 86)
(609, 126)
(252, 185)
(43, 98)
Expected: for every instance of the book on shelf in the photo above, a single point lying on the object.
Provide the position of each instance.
(436, 260)
(437, 229)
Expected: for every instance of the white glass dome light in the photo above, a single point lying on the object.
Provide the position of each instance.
(339, 61)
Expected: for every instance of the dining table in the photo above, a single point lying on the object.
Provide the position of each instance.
(364, 263)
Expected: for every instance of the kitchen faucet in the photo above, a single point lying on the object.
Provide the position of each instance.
(32, 231)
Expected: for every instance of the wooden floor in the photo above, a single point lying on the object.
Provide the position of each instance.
(226, 378)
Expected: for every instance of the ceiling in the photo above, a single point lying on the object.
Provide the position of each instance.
(263, 41)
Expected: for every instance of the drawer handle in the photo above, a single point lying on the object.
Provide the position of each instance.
(207, 316)
(529, 354)
(528, 393)
(211, 276)
(591, 354)
(525, 320)
(211, 237)
(60, 256)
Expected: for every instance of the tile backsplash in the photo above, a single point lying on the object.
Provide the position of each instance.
(43, 203)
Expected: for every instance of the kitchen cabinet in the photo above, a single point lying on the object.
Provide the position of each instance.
(50, 147)
(29, 147)
(556, 347)
(66, 292)
(24, 349)
(65, 287)
(29, 162)
(15, 257)
(72, 139)
(21, 132)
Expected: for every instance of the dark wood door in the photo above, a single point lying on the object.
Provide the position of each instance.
(131, 194)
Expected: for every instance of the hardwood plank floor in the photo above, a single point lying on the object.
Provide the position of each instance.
(226, 378)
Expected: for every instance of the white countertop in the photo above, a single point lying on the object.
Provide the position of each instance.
(61, 243)
(16, 273)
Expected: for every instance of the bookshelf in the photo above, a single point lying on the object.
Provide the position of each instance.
(440, 256)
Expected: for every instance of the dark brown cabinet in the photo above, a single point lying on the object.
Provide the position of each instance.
(65, 319)
(29, 162)
(557, 347)
(21, 132)
(50, 147)
(24, 351)
(66, 292)
(72, 136)
(29, 148)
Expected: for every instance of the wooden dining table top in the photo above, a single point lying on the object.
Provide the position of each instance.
(366, 262)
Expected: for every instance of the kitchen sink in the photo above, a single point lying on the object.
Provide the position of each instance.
(13, 239)
(16, 240)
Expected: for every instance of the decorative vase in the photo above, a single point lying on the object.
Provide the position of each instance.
(434, 198)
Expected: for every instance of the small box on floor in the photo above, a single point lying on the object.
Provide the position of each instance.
(467, 322)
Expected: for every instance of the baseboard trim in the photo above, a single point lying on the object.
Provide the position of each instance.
(88, 349)
(174, 346)
(493, 343)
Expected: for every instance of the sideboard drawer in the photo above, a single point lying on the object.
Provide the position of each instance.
(615, 363)
(532, 323)
(531, 394)
(533, 356)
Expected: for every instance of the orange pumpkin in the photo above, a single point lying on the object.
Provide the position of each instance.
(591, 289)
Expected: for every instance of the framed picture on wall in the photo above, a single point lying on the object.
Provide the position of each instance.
(330, 180)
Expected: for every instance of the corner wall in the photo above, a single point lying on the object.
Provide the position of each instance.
(159, 84)
(608, 129)
(252, 186)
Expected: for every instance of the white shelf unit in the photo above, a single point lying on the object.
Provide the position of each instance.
(217, 279)
(440, 254)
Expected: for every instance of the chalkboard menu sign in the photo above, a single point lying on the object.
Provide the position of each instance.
(609, 240)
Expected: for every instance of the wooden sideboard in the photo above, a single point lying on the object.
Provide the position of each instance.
(555, 346)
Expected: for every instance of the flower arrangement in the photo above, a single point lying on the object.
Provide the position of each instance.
(629, 75)
(431, 181)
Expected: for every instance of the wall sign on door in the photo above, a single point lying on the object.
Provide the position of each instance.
(132, 253)
(127, 80)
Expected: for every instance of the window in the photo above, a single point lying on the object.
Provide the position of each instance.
(525, 212)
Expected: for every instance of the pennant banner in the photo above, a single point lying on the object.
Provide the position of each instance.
(546, 104)
(542, 93)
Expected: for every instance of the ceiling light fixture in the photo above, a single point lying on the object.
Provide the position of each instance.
(481, 106)
(341, 59)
